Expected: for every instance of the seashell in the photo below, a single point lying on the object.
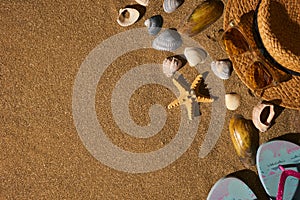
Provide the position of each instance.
(245, 139)
(202, 17)
(262, 116)
(222, 68)
(171, 5)
(128, 16)
(143, 2)
(171, 65)
(195, 55)
(169, 40)
(232, 101)
(154, 24)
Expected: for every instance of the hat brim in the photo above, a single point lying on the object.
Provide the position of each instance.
(286, 94)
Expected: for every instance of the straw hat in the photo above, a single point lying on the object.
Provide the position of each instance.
(278, 24)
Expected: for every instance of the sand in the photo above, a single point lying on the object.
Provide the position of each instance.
(43, 45)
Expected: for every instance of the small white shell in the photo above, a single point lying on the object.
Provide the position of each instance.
(128, 16)
(143, 2)
(154, 24)
(171, 65)
(262, 116)
(171, 5)
(232, 101)
(221, 68)
(169, 40)
(195, 55)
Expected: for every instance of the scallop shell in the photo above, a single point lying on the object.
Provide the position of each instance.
(232, 101)
(222, 68)
(128, 16)
(171, 5)
(245, 139)
(143, 2)
(195, 55)
(262, 116)
(171, 65)
(154, 24)
(169, 40)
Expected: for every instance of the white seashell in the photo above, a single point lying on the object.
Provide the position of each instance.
(128, 16)
(221, 68)
(262, 116)
(171, 65)
(195, 55)
(169, 40)
(171, 5)
(154, 24)
(143, 2)
(232, 101)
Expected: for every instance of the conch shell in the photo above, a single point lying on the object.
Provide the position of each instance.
(244, 137)
(262, 116)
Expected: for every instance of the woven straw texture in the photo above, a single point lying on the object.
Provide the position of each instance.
(286, 94)
(279, 27)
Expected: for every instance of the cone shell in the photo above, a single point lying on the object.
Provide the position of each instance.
(195, 55)
(202, 17)
(222, 68)
(128, 16)
(143, 2)
(169, 40)
(154, 24)
(171, 65)
(244, 137)
(171, 5)
(262, 116)
(232, 101)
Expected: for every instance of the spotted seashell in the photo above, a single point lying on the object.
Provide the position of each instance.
(245, 139)
(143, 2)
(171, 65)
(169, 40)
(195, 55)
(232, 101)
(154, 24)
(222, 68)
(128, 16)
(262, 116)
(171, 5)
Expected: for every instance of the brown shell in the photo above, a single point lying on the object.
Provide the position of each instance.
(202, 17)
(244, 137)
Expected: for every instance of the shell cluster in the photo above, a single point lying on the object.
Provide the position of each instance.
(171, 65)
(169, 40)
(262, 116)
(154, 24)
(222, 68)
(171, 5)
(195, 55)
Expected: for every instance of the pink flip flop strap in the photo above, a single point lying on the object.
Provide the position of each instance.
(283, 177)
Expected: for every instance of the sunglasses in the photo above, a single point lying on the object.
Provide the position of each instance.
(262, 74)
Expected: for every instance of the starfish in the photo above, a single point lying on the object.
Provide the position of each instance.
(190, 95)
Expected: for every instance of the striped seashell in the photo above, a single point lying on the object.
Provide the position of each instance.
(222, 68)
(171, 65)
(171, 5)
(154, 24)
(169, 40)
(195, 55)
(143, 2)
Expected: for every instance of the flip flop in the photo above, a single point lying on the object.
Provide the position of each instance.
(230, 188)
(270, 156)
(284, 175)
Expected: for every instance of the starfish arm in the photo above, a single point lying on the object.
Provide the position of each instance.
(173, 104)
(197, 80)
(181, 83)
(202, 99)
(189, 108)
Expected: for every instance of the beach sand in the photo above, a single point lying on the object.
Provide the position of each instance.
(43, 45)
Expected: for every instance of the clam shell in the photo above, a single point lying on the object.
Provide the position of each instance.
(222, 68)
(171, 65)
(202, 17)
(171, 5)
(143, 2)
(169, 40)
(195, 55)
(262, 116)
(154, 24)
(128, 16)
(245, 139)
(232, 101)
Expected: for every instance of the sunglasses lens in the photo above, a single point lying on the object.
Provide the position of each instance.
(235, 42)
(262, 77)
